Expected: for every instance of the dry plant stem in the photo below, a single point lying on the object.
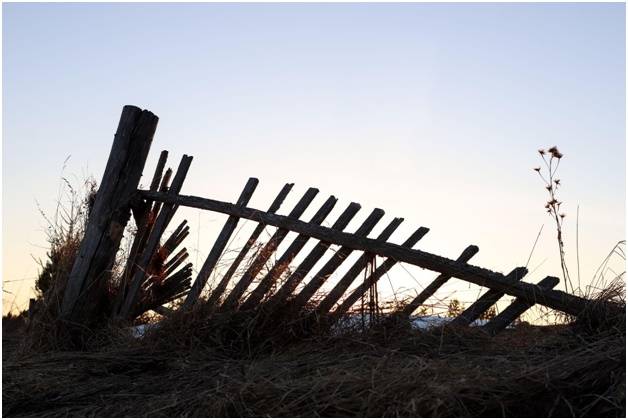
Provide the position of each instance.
(553, 207)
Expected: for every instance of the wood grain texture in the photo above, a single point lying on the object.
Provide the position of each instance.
(143, 221)
(109, 215)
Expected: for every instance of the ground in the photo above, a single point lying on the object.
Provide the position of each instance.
(531, 371)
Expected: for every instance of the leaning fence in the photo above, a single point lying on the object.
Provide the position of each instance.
(155, 274)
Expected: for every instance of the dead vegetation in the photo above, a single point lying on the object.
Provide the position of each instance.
(208, 363)
(195, 365)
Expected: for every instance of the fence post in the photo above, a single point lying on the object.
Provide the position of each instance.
(109, 215)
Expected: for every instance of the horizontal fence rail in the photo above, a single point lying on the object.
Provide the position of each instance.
(531, 293)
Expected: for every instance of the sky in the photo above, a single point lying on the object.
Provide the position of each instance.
(432, 112)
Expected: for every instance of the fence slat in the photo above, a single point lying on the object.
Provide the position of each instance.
(219, 246)
(555, 299)
(163, 188)
(345, 282)
(143, 221)
(377, 274)
(232, 299)
(516, 309)
(282, 263)
(176, 263)
(152, 242)
(182, 254)
(171, 288)
(487, 300)
(110, 213)
(313, 257)
(335, 261)
(222, 285)
(437, 283)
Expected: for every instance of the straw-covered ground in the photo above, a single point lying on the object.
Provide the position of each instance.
(194, 365)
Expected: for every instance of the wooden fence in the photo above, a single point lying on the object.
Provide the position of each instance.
(155, 274)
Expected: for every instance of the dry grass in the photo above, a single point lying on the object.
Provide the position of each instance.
(202, 365)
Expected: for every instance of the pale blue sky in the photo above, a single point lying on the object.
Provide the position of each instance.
(432, 112)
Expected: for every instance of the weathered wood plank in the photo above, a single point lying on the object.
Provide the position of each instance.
(232, 299)
(143, 221)
(284, 261)
(345, 282)
(152, 242)
(335, 261)
(159, 293)
(554, 299)
(175, 262)
(437, 283)
(169, 244)
(312, 258)
(163, 188)
(516, 309)
(217, 292)
(219, 246)
(110, 214)
(182, 254)
(487, 300)
(377, 274)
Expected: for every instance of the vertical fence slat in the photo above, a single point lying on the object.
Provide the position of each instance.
(282, 263)
(152, 242)
(110, 213)
(516, 309)
(141, 232)
(232, 300)
(219, 246)
(313, 257)
(437, 283)
(377, 274)
(335, 261)
(163, 187)
(345, 282)
(222, 285)
(487, 300)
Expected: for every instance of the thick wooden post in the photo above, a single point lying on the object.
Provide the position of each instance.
(110, 213)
